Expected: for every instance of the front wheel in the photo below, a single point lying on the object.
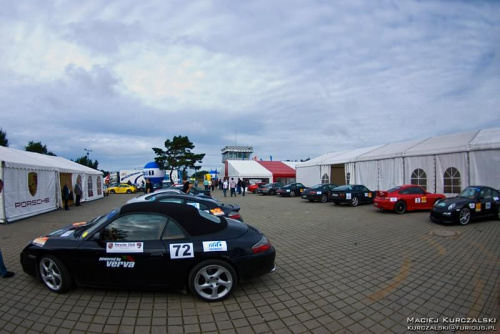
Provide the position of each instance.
(464, 217)
(354, 201)
(129, 191)
(54, 274)
(400, 207)
(111, 191)
(324, 198)
(498, 212)
(292, 193)
(212, 280)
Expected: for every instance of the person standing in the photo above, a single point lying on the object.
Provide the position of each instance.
(232, 187)
(224, 187)
(3, 270)
(65, 193)
(78, 192)
(186, 187)
(243, 187)
(149, 186)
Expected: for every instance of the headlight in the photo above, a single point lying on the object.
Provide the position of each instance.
(452, 206)
(318, 193)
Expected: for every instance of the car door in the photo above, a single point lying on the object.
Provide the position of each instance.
(486, 201)
(365, 195)
(417, 198)
(128, 251)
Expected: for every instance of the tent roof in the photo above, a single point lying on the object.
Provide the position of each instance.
(487, 139)
(23, 159)
(278, 168)
(249, 168)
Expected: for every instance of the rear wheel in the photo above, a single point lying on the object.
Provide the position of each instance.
(212, 280)
(354, 201)
(129, 191)
(54, 274)
(464, 217)
(400, 207)
(292, 193)
(111, 191)
(498, 212)
(324, 198)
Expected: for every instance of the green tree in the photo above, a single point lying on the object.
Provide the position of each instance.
(178, 155)
(87, 162)
(38, 147)
(3, 138)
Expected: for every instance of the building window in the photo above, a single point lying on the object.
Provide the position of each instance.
(452, 181)
(99, 186)
(419, 178)
(90, 189)
(325, 178)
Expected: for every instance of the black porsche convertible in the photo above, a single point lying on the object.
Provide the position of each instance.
(472, 203)
(151, 245)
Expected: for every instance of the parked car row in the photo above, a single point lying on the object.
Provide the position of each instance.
(473, 202)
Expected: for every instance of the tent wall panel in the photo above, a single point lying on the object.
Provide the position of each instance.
(309, 175)
(425, 163)
(27, 192)
(390, 173)
(485, 168)
(367, 174)
(456, 160)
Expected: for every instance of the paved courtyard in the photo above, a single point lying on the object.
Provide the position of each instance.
(339, 270)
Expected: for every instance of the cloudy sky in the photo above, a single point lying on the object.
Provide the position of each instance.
(292, 78)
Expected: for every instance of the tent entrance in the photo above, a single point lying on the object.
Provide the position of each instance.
(337, 173)
(66, 177)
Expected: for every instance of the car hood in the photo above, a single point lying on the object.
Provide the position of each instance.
(458, 201)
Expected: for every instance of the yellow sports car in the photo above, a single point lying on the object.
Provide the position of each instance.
(122, 188)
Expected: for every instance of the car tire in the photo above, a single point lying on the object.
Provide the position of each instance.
(464, 216)
(354, 201)
(54, 274)
(400, 207)
(498, 212)
(129, 191)
(111, 191)
(212, 280)
(324, 198)
(292, 194)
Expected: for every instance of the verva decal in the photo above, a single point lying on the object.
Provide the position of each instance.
(214, 246)
(118, 262)
(124, 247)
(217, 212)
(181, 251)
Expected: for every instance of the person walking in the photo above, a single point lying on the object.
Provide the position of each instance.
(243, 187)
(65, 193)
(3, 270)
(149, 186)
(225, 185)
(232, 187)
(78, 192)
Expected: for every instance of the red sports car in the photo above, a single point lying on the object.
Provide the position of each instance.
(253, 187)
(406, 198)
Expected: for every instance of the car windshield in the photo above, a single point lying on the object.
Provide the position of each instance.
(341, 188)
(393, 189)
(316, 186)
(95, 223)
(469, 192)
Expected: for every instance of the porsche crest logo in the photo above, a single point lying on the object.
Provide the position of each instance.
(32, 183)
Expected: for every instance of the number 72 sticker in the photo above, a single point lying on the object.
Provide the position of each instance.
(181, 251)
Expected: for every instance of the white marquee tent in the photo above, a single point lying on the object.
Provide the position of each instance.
(444, 164)
(32, 183)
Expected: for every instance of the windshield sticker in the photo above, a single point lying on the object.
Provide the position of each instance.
(67, 233)
(124, 247)
(478, 207)
(40, 241)
(118, 262)
(472, 205)
(214, 246)
(487, 206)
(196, 205)
(181, 251)
(348, 196)
(394, 199)
(217, 212)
